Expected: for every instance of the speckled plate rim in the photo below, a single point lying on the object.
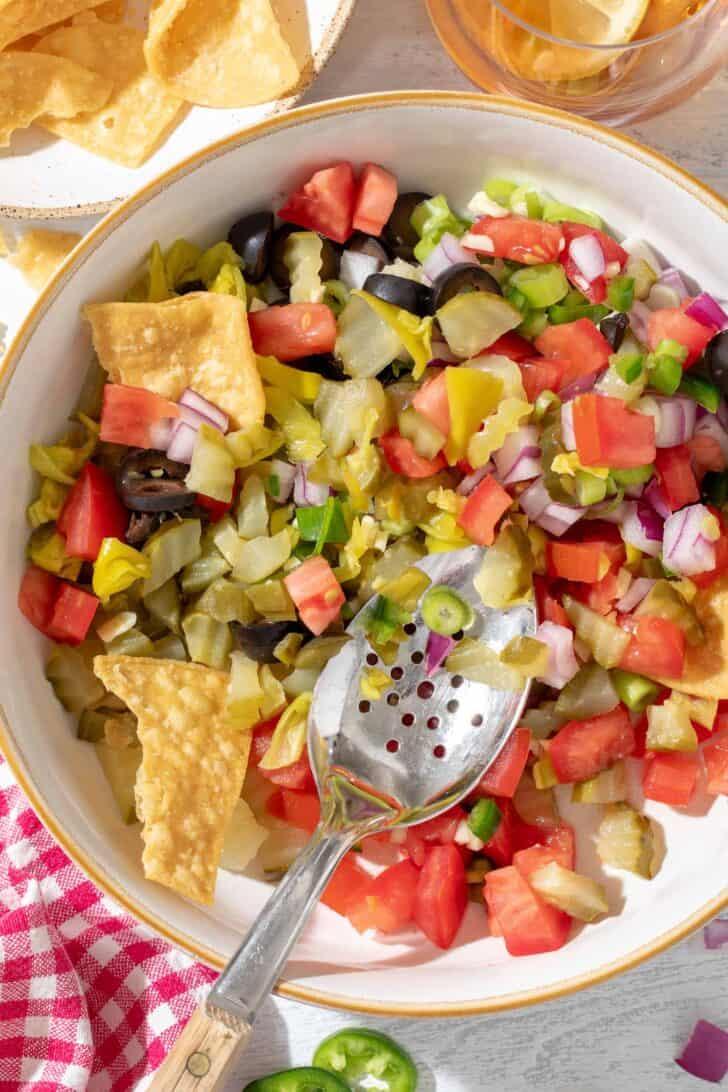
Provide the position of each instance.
(9, 745)
(313, 70)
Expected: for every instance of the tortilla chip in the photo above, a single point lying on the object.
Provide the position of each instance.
(192, 770)
(21, 17)
(111, 12)
(200, 340)
(40, 252)
(220, 52)
(140, 110)
(33, 84)
(706, 665)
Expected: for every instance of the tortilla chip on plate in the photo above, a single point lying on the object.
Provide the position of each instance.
(34, 84)
(220, 52)
(40, 252)
(140, 111)
(706, 665)
(192, 769)
(112, 11)
(21, 17)
(200, 340)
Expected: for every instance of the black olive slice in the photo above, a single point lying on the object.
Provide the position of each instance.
(398, 235)
(141, 526)
(147, 481)
(400, 291)
(360, 243)
(716, 356)
(190, 286)
(614, 328)
(324, 364)
(251, 237)
(463, 277)
(259, 639)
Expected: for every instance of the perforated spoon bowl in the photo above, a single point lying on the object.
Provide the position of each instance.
(378, 765)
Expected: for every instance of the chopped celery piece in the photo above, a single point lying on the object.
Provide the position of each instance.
(554, 212)
(635, 691)
(170, 648)
(636, 475)
(505, 576)
(302, 257)
(589, 694)
(561, 313)
(606, 641)
(271, 599)
(164, 605)
(544, 775)
(431, 219)
(534, 323)
(484, 819)
(607, 787)
(474, 660)
(322, 523)
(212, 471)
(701, 390)
(426, 439)
(542, 285)
(620, 293)
(131, 643)
(527, 656)
(579, 896)
(117, 567)
(670, 347)
(588, 489)
(445, 611)
(47, 549)
(226, 601)
(366, 343)
(383, 619)
(259, 558)
(47, 507)
(245, 694)
(373, 682)
(543, 720)
(473, 395)
(406, 589)
(500, 190)
(669, 728)
(473, 320)
(345, 412)
(517, 299)
(120, 766)
(626, 840)
(252, 508)
(628, 366)
(302, 432)
(169, 549)
(301, 385)
(663, 600)
(665, 372)
(70, 674)
(289, 737)
(208, 642)
(201, 572)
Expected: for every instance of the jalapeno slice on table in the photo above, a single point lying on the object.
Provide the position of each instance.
(303, 1079)
(356, 1053)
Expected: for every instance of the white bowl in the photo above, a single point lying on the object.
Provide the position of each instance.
(436, 142)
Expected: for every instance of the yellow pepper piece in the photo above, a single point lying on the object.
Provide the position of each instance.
(509, 416)
(47, 550)
(634, 557)
(414, 333)
(301, 385)
(568, 463)
(471, 395)
(289, 737)
(373, 683)
(117, 567)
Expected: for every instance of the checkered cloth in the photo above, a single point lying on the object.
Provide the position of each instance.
(88, 998)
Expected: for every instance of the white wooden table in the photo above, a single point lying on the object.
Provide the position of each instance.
(625, 1033)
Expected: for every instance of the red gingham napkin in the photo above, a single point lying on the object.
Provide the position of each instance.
(89, 999)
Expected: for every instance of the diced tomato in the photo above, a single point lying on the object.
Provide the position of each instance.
(613, 252)
(298, 809)
(502, 778)
(442, 895)
(403, 459)
(513, 346)
(482, 510)
(92, 512)
(542, 374)
(675, 473)
(72, 615)
(548, 607)
(657, 647)
(439, 831)
(586, 349)
(297, 775)
(670, 777)
(215, 509)
(376, 194)
(134, 416)
(672, 324)
(528, 924)
(596, 290)
(601, 596)
(706, 454)
(528, 861)
(704, 580)
(609, 434)
(606, 535)
(324, 204)
(38, 591)
(346, 885)
(715, 757)
(516, 238)
(316, 592)
(432, 402)
(503, 844)
(293, 330)
(387, 902)
(582, 748)
(585, 562)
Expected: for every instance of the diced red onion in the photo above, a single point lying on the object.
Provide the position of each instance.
(182, 442)
(519, 459)
(711, 426)
(582, 385)
(707, 311)
(161, 433)
(676, 421)
(442, 354)
(568, 436)
(639, 317)
(635, 593)
(355, 267)
(672, 278)
(588, 257)
(687, 549)
(447, 252)
(194, 418)
(307, 493)
(552, 517)
(562, 665)
(481, 244)
(437, 650)
(715, 935)
(706, 1054)
(609, 511)
(469, 482)
(653, 495)
(642, 528)
(205, 408)
(286, 475)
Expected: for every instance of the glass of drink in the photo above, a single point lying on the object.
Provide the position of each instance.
(611, 60)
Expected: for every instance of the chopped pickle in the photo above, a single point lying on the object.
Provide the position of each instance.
(544, 775)
(301, 430)
(274, 697)
(506, 575)
(319, 651)
(471, 321)
(131, 643)
(271, 600)
(302, 257)
(606, 641)
(245, 693)
(474, 660)
(543, 720)
(259, 558)
(226, 601)
(224, 535)
(91, 724)
(243, 838)
(170, 648)
(212, 470)
(527, 656)
(120, 768)
(70, 674)
(626, 840)
(164, 605)
(250, 445)
(406, 589)
(635, 691)
(580, 896)
(426, 439)
(607, 787)
(589, 694)
(702, 710)
(169, 549)
(669, 728)
(663, 600)
(444, 611)
(203, 571)
(252, 508)
(208, 642)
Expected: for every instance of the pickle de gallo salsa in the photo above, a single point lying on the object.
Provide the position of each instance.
(419, 379)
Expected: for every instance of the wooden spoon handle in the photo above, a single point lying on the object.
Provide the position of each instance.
(202, 1056)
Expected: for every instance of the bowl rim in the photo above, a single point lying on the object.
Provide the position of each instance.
(9, 746)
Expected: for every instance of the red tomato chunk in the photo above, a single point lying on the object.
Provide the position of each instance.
(91, 513)
(502, 778)
(375, 197)
(346, 885)
(403, 459)
(134, 416)
(316, 592)
(483, 508)
(527, 923)
(387, 902)
(671, 777)
(715, 757)
(293, 331)
(324, 204)
(517, 238)
(442, 895)
(582, 748)
(657, 647)
(608, 434)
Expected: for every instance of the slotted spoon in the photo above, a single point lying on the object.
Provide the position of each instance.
(378, 765)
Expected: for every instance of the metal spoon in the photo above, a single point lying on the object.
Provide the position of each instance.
(378, 765)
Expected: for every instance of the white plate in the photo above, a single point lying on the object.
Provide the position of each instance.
(41, 175)
(436, 142)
